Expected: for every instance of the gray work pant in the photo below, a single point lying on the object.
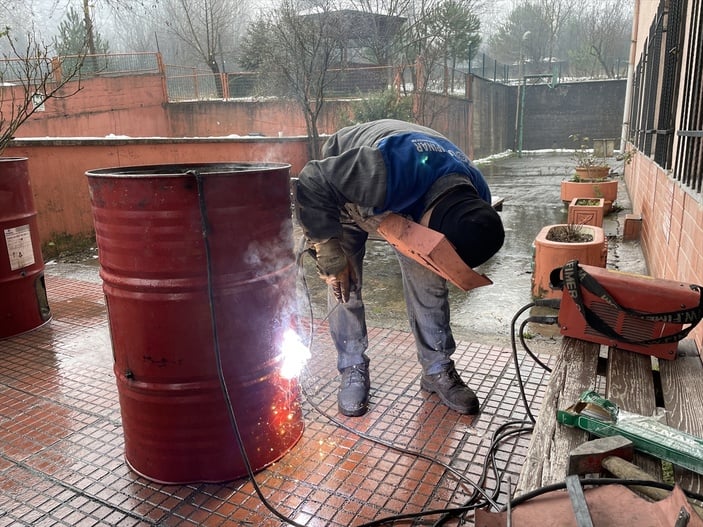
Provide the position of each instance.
(426, 298)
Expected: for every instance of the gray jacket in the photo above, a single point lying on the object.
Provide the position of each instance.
(353, 176)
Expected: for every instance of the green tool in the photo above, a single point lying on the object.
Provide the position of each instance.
(603, 418)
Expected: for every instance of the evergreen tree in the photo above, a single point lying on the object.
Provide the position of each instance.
(73, 37)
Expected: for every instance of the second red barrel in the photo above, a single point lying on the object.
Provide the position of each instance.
(162, 283)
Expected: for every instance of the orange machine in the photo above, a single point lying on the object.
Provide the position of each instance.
(627, 311)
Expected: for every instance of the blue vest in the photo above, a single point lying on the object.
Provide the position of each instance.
(414, 161)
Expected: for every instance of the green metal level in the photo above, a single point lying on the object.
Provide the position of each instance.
(603, 418)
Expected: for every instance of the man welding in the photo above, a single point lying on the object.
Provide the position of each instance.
(370, 170)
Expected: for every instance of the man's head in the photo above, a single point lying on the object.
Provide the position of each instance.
(472, 226)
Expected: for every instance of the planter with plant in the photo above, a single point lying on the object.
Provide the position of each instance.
(589, 188)
(556, 244)
(592, 178)
(586, 211)
(588, 165)
(28, 78)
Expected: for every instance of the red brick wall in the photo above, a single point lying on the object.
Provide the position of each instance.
(672, 225)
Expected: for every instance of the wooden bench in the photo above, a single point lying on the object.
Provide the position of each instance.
(636, 383)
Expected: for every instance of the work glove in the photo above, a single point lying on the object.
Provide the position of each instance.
(333, 268)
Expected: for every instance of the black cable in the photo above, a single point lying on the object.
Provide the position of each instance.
(498, 437)
(516, 361)
(446, 512)
(420, 455)
(523, 425)
(218, 357)
(521, 333)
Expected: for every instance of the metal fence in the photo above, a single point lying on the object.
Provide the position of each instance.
(186, 84)
(18, 71)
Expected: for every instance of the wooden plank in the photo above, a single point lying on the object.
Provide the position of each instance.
(551, 443)
(630, 385)
(682, 380)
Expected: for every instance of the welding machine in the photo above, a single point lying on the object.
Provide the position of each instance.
(626, 311)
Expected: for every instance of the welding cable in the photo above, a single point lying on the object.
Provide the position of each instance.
(478, 491)
(379, 441)
(503, 432)
(523, 426)
(218, 356)
(521, 334)
(516, 361)
(542, 320)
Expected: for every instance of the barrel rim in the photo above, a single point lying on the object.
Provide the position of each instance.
(186, 169)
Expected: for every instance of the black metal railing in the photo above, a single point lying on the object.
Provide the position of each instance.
(688, 167)
(661, 85)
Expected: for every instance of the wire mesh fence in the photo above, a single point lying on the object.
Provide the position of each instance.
(22, 71)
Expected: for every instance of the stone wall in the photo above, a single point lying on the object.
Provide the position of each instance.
(592, 109)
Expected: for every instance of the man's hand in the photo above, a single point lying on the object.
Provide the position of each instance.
(333, 268)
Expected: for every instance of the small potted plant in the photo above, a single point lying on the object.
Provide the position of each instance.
(592, 178)
(555, 245)
(588, 165)
(586, 211)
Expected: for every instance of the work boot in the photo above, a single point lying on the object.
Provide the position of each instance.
(353, 396)
(452, 390)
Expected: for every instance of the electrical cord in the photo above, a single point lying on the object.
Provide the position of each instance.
(230, 407)
(480, 496)
(516, 362)
(218, 357)
(506, 430)
(390, 519)
(522, 426)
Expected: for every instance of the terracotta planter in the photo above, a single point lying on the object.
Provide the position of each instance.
(549, 255)
(586, 211)
(593, 172)
(606, 189)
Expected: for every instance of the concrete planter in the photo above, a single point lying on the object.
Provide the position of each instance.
(549, 255)
(593, 172)
(586, 211)
(606, 189)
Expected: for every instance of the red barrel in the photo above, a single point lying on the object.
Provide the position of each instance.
(155, 265)
(23, 301)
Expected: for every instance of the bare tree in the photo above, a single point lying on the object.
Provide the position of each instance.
(207, 27)
(299, 54)
(434, 35)
(29, 76)
(606, 32)
(556, 13)
(381, 33)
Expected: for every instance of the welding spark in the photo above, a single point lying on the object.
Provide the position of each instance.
(295, 355)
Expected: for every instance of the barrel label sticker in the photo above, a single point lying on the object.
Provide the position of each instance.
(19, 247)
